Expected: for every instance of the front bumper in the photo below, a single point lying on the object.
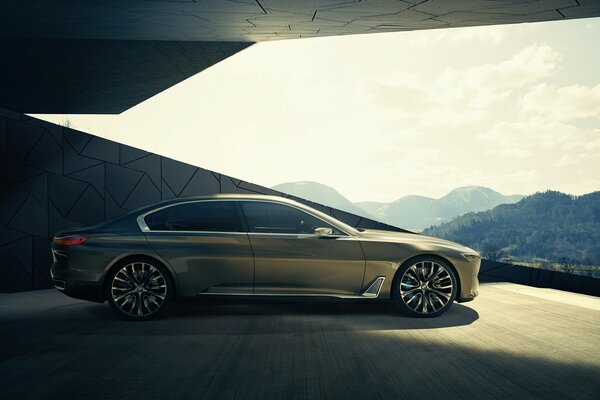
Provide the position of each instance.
(469, 283)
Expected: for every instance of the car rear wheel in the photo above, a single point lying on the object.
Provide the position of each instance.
(424, 287)
(139, 290)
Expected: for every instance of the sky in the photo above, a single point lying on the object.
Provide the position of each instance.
(514, 107)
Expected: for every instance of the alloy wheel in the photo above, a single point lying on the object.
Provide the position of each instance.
(426, 287)
(139, 289)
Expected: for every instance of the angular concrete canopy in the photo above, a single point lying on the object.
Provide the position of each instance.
(89, 69)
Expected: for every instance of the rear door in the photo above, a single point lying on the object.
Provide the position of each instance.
(290, 259)
(205, 243)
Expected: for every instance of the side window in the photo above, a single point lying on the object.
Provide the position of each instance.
(265, 217)
(214, 216)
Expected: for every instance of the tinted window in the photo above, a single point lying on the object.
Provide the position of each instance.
(221, 216)
(277, 218)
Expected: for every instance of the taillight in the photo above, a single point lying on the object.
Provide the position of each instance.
(73, 240)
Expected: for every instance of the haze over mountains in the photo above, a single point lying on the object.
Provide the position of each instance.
(409, 212)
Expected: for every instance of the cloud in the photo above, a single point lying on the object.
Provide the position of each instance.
(531, 64)
(570, 159)
(562, 103)
(530, 134)
(510, 152)
(482, 34)
(459, 96)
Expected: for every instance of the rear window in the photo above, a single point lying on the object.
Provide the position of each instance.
(212, 216)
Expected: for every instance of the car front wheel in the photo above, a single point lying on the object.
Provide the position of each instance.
(424, 287)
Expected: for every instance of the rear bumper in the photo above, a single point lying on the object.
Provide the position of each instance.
(72, 282)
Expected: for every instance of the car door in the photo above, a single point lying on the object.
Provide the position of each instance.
(290, 259)
(205, 243)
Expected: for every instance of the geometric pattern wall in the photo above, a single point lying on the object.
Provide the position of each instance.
(261, 20)
(98, 76)
(53, 178)
(106, 56)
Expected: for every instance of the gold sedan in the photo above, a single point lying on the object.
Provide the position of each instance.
(255, 245)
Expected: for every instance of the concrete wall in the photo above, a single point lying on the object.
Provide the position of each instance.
(52, 178)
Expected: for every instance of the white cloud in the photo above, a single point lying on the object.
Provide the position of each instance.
(530, 134)
(510, 152)
(457, 97)
(570, 159)
(478, 34)
(562, 103)
(531, 64)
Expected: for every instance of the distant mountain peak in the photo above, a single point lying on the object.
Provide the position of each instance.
(413, 212)
(320, 193)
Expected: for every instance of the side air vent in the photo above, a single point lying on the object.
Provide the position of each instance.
(373, 290)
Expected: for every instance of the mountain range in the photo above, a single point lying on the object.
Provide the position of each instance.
(322, 194)
(551, 225)
(409, 212)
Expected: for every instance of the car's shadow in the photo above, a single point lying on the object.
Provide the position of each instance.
(282, 316)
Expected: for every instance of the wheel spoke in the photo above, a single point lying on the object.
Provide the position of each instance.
(444, 295)
(140, 303)
(410, 285)
(159, 295)
(448, 286)
(120, 296)
(405, 293)
(437, 273)
(437, 298)
(420, 301)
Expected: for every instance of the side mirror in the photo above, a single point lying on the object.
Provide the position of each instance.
(323, 231)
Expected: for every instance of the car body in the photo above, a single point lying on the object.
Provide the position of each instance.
(255, 245)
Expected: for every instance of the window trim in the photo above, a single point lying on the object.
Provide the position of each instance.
(141, 219)
(145, 228)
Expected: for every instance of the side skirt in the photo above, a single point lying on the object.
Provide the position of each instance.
(372, 292)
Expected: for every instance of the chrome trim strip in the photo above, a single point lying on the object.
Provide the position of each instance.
(372, 292)
(299, 235)
(144, 227)
(337, 296)
(60, 285)
(60, 253)
(142, 222)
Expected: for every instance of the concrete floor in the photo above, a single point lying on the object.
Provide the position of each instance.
(511, 342)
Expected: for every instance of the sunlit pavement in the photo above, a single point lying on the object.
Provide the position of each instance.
(511, 342)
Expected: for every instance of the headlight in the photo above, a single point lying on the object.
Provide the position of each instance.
(471, 256)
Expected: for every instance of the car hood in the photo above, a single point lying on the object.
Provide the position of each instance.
(407, 237)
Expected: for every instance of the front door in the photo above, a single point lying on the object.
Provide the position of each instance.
(290, 259)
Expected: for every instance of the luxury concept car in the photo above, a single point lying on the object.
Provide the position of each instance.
(255, 245)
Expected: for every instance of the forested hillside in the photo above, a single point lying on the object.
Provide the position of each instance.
(549, 225)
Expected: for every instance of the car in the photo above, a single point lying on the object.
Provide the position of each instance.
(255, 245)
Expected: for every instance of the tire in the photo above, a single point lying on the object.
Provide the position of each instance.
(424, 287)
(139, 289)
